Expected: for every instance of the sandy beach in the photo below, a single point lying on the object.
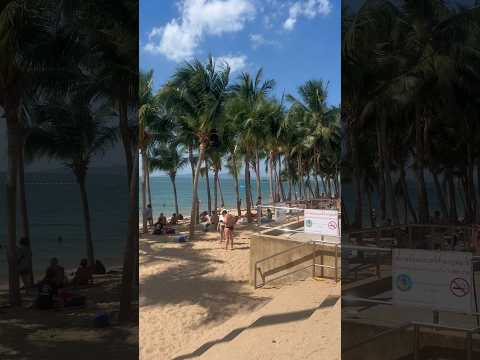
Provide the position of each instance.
(196, 302)
(27, 333)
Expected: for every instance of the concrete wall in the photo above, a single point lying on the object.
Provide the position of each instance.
(293, 265)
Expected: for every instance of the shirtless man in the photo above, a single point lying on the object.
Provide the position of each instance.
(230, 221)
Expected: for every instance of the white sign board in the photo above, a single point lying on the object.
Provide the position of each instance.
(323, 222)
(434, 279)
(280, 214)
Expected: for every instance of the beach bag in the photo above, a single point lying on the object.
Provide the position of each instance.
(101, 320)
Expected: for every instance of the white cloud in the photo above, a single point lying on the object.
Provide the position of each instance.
(179, 38)
(236, 63)
(309, 9)
(259, 40)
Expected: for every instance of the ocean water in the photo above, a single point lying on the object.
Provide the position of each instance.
(163, 198)
(55, 210)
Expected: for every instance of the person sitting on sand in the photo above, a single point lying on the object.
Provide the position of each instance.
(83, 275)
(59, 272)
(203, 216)
(214, 219)
(179, 217)
(206, 221)
(161, 223)
(173, 219)
(47, 291)
(230, 221)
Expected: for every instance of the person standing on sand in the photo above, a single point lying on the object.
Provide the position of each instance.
(230, 221)
(221, 225)
(147, 214)
(24, 257)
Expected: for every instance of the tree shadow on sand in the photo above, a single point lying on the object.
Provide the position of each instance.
(29, 333)
(191, 282)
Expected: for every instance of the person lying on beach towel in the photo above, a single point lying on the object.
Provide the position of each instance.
(83, 275)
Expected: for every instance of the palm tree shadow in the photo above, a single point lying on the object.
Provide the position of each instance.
(267, 320)
(192, 281)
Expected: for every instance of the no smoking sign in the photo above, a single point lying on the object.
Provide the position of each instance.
(332, 225)
(459, 287)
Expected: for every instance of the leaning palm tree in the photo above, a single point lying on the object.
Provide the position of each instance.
(203, 90)
(168, 158)
(74, 131)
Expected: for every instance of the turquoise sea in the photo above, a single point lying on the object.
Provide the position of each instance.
(54, 210)
(163, 199)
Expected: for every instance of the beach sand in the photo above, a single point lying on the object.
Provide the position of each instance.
(28, 333)
(196, 302)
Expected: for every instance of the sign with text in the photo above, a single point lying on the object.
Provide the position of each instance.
(433, 279)
(323, 222)
(280, 214)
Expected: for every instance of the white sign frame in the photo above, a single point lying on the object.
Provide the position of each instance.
(440, 280)
(322, 222)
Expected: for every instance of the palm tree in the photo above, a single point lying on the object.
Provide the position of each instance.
(203, 90)
(246, 108)
(74, 131)
(168, 158)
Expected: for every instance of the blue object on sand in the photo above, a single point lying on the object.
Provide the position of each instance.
(182, 238)
(101, 320)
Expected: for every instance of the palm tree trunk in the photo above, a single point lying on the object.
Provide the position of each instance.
(237, 186)
(452, 196)
(148, 184)
(422, 197)
(175, 196)
(130, 257)
(207, 183)
(125, 134)
(222, 200)
(280, 181)
(24, 223)
(215, 189)
(144, 191)
(440, 196)
(13, 146)
(86, 220)
(357, 186)
(406, 193)
(270, 177)
(388, 173)
(248, 189)
(257, 173)
(193, 214)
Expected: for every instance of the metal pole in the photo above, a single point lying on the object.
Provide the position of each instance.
(468, 346)
(255, 277)
(314, 260)
(416, 341)
(336, 262)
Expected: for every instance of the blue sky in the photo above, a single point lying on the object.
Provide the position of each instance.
(293, 40)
